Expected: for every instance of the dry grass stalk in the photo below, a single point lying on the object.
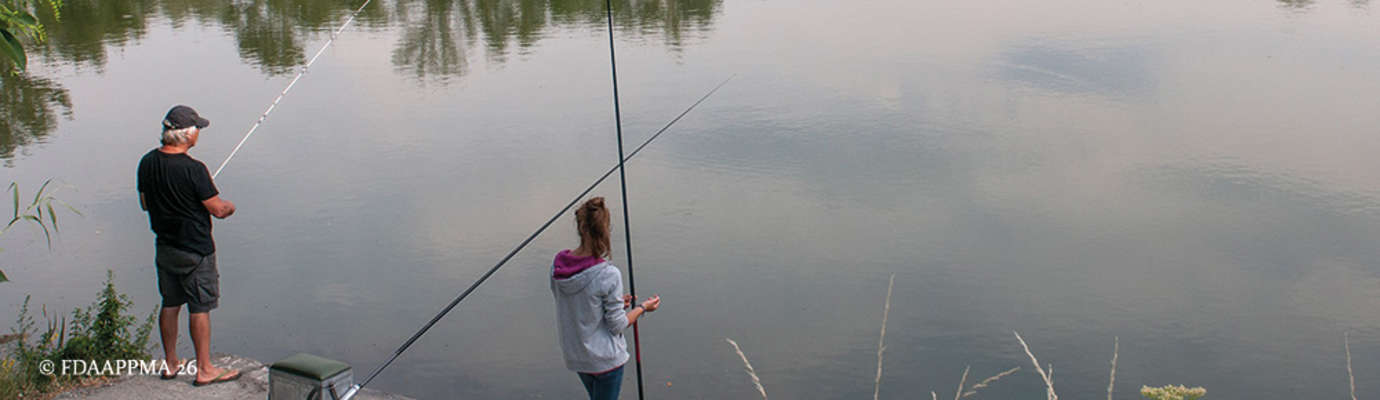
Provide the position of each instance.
(751, 372)
(959, 393)
(986, 382)
(881, 342)
(1116, 348)
(1049, 382)
(1346, 338)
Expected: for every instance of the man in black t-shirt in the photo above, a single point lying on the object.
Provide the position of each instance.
(180, 198)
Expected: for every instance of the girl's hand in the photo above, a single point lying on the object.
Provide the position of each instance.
(652, 304)
(627, 301)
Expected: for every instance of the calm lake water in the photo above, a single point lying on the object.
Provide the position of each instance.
(1198, 179)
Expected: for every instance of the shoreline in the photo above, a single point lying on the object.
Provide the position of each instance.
(252, 385)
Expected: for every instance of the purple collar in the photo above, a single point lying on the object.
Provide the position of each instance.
(567, 264)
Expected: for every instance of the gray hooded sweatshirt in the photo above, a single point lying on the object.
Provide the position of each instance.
(589, 313)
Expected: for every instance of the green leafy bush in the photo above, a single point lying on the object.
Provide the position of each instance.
(103, 331)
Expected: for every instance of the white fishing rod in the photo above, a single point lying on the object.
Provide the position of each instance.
(287, 89)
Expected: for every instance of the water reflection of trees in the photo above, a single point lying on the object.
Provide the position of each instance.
(1305, 5)
(273, 34)
(88, 26)
(29, 109)
(266, 34)
(437, 37)
(435, 43)
(436, 34)
(269, 33)
(1296, 4)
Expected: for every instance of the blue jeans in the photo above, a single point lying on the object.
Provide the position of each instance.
(603, 386)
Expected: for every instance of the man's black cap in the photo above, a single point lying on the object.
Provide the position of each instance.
(183, 117)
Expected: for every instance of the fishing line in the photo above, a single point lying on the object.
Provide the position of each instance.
(355, 389)
(623, 184)
(285, 91)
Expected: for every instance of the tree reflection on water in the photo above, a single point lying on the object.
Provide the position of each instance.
(436, 39)
(274, 34)
(29, 109)
(439, 32)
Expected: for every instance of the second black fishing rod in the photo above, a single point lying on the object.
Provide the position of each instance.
(623, 184)
(355, 389)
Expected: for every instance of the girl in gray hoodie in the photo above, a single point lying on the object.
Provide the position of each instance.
(590, 305)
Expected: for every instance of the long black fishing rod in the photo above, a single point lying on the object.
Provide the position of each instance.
(623, 184)
(355, 389)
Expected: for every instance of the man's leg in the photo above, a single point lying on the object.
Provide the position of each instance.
(200, 326)
(167, 328)
(166, 262)
(203, 285)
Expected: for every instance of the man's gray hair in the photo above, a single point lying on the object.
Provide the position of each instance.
(178, 136)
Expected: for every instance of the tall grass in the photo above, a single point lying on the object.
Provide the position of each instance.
(751, 372)
(1168, 392)
(959, 392)
(34, 211)
(1111, 382)
(986, 382)
(1351, 377)
(1049, 380)
(881, 341)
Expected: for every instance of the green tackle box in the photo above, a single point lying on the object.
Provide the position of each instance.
(308, 377)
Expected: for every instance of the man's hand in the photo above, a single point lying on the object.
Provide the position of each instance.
(627, 301)
(218, 207)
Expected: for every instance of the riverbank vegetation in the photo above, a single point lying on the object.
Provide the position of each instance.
(34, 212)
(964, 390)
(107, 330)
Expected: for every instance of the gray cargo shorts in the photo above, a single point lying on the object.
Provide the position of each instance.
(187, 278)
